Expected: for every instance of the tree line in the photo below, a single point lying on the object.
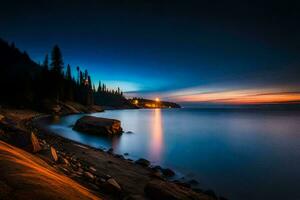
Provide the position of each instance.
(26, 83)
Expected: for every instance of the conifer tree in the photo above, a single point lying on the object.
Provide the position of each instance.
(57, 63)
(57, 74)
(68, 73)
(99, 87)
(46, 63)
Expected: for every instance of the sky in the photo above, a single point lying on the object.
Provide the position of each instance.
(226, 52)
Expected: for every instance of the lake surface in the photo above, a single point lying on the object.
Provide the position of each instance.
(240, 154)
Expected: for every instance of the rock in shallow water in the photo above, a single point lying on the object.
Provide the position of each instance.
(143, 162)
(168, 172)
(97, 125)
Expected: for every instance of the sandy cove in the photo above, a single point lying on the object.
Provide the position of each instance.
(103, 174)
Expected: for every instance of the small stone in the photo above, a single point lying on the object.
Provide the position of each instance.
(193, 182)
(35, 143)
(119, 156)
(65, 161)
(79, 173)
(156, 168)
(110, 150)
(92, 169)
(65, 169)
(112, 185)
(156, 174)
(168, 172)
(43, 142)
(54, 154)
(107, 176)
(142, 162)
(126, 154)
(129, 132)
(89, 175)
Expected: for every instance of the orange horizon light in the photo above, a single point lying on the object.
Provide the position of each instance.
(243, 97)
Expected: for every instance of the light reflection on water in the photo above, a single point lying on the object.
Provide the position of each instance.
(240, 154)
(156, 140)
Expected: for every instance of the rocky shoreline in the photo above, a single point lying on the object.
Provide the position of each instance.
(109, 175)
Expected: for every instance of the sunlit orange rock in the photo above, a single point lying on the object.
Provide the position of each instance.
(54, 154)
(35, 143)
(25, 176)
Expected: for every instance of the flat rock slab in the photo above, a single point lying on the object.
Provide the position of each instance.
(99, 126)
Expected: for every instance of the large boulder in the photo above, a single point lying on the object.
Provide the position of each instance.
(97, 125)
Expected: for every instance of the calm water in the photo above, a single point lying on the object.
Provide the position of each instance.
(239, 154)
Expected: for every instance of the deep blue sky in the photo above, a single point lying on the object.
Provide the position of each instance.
(165, 48)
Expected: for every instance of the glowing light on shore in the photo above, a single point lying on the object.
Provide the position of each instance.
(157, 99)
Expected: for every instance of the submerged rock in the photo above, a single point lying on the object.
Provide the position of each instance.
(193, 182)
(129, 132)
(97, 125)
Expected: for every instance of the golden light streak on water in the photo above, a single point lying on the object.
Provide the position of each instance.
(156, 140)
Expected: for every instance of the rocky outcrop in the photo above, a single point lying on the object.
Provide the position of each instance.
(99, 126)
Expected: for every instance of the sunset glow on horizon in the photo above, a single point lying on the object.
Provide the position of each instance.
(239, 97)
